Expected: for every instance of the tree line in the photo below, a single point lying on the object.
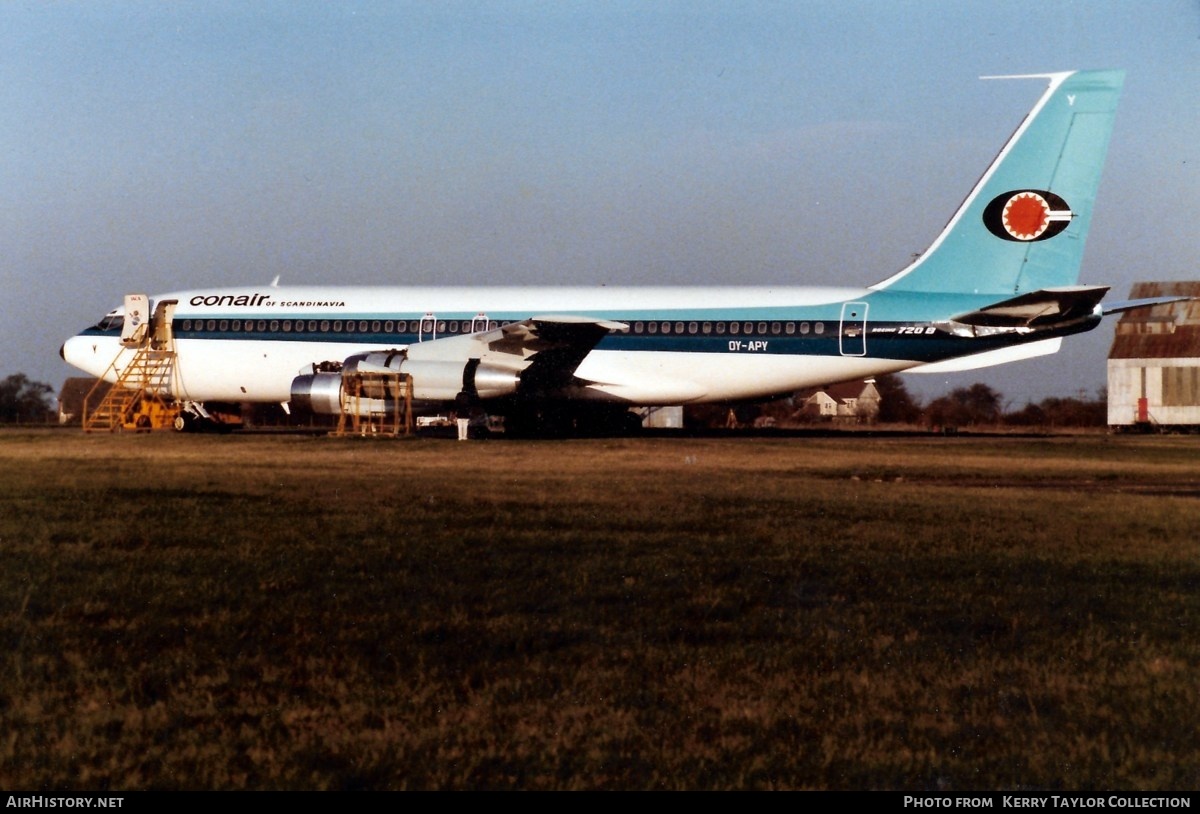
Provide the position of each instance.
(982, 405)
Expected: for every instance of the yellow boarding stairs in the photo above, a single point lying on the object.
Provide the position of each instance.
(140, 399)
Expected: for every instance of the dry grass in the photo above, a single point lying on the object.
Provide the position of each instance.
(292, 612)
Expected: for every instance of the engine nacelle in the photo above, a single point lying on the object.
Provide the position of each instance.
(319, 393)
(324, 393)
(443, 381)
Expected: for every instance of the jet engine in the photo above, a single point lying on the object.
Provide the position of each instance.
(376, 377)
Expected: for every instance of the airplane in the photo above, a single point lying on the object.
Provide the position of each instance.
(998, 284)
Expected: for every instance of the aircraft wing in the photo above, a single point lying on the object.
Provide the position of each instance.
(544, 351)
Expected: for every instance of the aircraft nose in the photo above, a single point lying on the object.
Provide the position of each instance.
(80, 352)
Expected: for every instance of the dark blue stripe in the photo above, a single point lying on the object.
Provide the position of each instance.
(882, 341)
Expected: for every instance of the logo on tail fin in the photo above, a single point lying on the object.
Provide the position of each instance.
(1026, 215)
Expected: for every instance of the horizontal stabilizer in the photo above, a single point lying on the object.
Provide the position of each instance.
(1038, 309)
(1130, 305)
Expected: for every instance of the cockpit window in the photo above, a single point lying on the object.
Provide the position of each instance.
(111, 321)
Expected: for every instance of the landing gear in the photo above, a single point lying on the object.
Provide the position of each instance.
(193, 417)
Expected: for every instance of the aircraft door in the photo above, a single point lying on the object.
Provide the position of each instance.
(137, 318)
(479, 323)
(161, 327)
(428, 328)
(854, 329)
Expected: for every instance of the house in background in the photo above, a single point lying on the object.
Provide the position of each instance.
(847, 402)
(72, 395)
(1154, 363)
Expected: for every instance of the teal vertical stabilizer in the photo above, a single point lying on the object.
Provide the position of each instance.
(1022, 228)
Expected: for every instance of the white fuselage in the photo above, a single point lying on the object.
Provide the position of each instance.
(248, 344)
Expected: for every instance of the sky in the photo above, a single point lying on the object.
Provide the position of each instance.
(150, 147)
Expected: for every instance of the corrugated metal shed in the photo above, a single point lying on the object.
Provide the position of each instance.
(1169, 331)
(1154, 363)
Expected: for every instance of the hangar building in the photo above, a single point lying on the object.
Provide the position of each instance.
(1154, 364)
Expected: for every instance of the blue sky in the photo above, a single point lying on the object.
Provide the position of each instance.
(150, 146)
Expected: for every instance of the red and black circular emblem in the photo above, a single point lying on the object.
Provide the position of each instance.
(1026, 215)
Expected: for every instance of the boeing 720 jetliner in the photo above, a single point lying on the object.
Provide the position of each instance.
(998, 284)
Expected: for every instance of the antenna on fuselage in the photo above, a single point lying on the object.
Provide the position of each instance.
(275, 282)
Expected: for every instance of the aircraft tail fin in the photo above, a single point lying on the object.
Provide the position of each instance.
(1022, 228)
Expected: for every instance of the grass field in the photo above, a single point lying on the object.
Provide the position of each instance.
(191, 612)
